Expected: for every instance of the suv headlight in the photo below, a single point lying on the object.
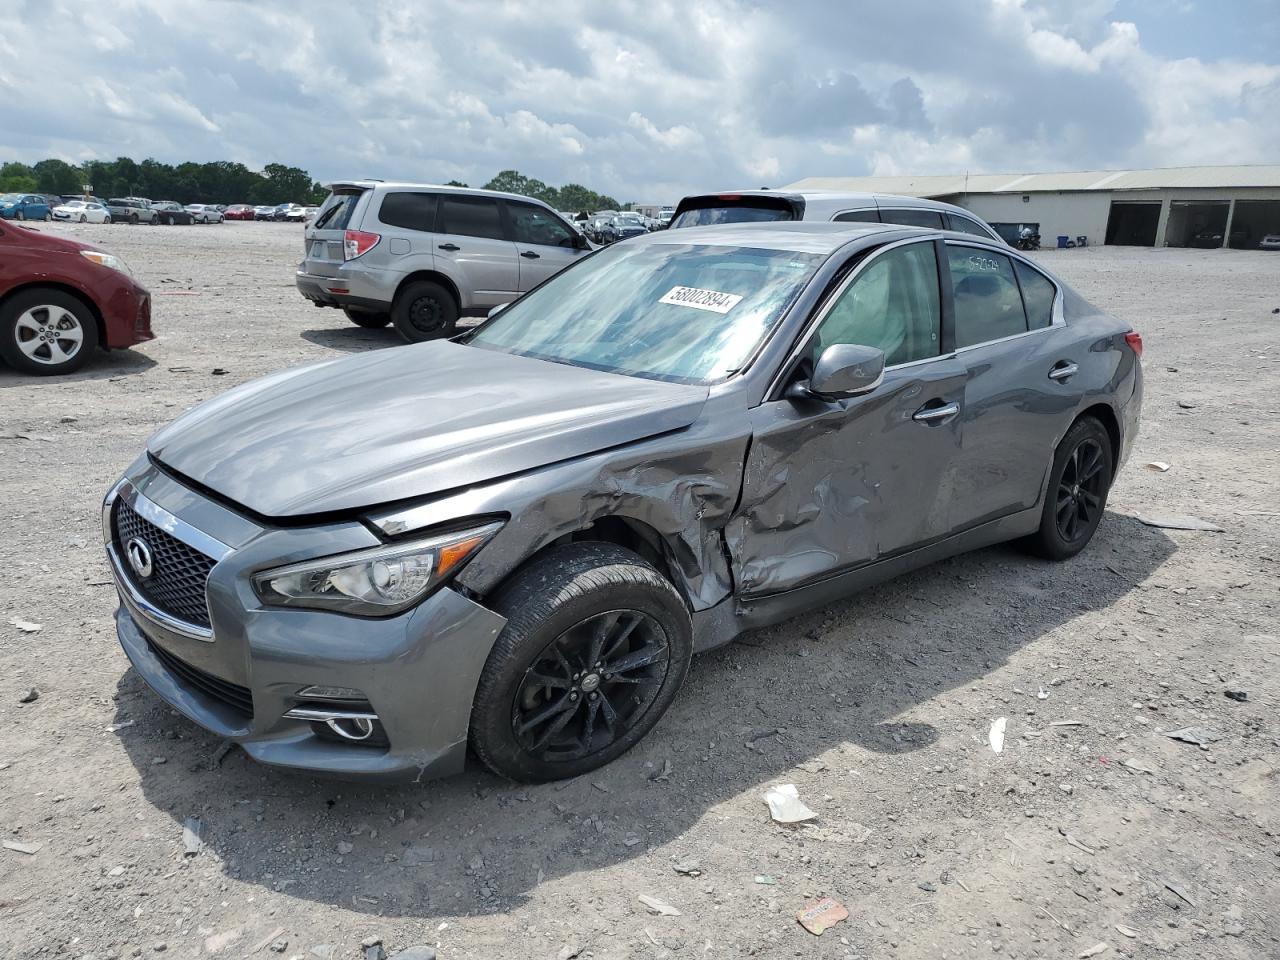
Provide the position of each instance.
(377, 582)
(107, 260)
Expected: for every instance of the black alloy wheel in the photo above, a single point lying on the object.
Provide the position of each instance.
(1076, 498)
(590, 685)
(424, 311)
(1080, 491)
(596, 646)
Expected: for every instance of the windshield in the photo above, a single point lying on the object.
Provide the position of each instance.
(686, 313)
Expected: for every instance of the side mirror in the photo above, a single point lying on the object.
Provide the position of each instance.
(494, 311)
(580, 242)
(846, 370)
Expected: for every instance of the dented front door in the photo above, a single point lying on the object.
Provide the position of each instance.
(832, 486)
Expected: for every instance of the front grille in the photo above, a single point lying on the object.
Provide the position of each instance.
(179, 571)
(233, 695)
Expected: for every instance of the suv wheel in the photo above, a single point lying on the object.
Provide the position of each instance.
(133, 219)
(46, 332)
(596, 646)
(1077, 494)
(424, 311)
(362, 318)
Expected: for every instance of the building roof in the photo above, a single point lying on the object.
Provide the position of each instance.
(1254, 175)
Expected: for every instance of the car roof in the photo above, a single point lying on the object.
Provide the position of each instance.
(434, 187)
(801, 236)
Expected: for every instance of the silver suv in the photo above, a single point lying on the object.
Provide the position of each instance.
(753, 206)
(420, 256)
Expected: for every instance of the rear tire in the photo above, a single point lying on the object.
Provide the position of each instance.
(370, 321)
(1076, 498)
(133, 219)
(596, 646)
(46, 332)
(83, 218)
(107, 218)
(19, 215)
(48, 217)
(424, 311)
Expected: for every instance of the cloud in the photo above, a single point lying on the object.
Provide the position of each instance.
(641, 99)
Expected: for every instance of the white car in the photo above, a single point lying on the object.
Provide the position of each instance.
(1270, 242)
(82, 211)
(204, 213)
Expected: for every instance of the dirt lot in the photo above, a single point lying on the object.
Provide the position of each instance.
(878, 708)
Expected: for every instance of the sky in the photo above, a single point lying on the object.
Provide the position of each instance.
(646, 100)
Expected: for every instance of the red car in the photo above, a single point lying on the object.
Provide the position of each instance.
(60, 299)
(238, 211)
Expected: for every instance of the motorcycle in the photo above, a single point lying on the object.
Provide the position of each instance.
(1031, 242)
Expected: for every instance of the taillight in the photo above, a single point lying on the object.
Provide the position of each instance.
(1134, 340)
(356, 243)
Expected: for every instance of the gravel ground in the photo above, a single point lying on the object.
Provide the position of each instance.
(1103, 831)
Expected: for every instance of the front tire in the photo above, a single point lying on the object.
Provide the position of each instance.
(107, 218)
(1077, 495)
(425, 311)
(46, 332)
(19, 215)
(83, 218)
(596, 646)
(48, 217)
(133, 219)
(370, 321)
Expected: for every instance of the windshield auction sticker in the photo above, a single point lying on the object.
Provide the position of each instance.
(711, 300)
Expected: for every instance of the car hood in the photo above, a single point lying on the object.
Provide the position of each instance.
(48, 241)
(408, 422)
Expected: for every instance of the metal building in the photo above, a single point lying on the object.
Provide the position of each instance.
(1177, 207)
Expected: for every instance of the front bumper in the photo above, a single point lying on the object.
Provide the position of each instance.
(417, 671)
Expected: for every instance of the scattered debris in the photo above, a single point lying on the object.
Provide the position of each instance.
(30, 695)
(423, 952)
(819, 916)
(690, 868)
(660, 907)
(374, 951)
(995, 736)
(26, 626)
(785, 805)
(192, 836)
(114, 727)
(663, 775)
(1194, 735)
(928, 887)
(1076, 843)
(1159, 466)
(344, 848)
(1095, 950)
(1179, 892)
(1066, 723)
(20, 847)
(1137, 767)
(218, 372)
(569, 950)
(275, 934)
(1239, 696)
(217, 942)
(1180, 522)
(764, 878)
(1126, 931)
(1042, 694)
(812, 766)
(1187, 404)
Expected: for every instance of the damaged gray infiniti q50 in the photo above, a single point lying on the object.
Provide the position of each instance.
(517, 540)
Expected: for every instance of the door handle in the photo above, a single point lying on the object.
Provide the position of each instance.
(530, 255)
(1063, 369)
(928, 414)
(450, 247)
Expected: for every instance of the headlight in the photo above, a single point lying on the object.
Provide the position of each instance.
(377, 582)
(107, 260)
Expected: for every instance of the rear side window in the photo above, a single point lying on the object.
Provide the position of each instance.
(412, 211)
(911, 217)
(470, 217)
(988, 305)
(337, 210)
(1038, 292)
(858, 216)
(965, 225)
(735, 208)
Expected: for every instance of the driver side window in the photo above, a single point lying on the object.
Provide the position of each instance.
(892, 305)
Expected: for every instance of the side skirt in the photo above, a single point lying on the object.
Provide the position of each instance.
(725, 621)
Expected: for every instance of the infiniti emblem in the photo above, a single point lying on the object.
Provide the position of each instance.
(139, 557)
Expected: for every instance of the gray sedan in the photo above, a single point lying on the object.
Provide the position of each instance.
(518, 539)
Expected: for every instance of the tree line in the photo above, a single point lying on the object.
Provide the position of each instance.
(223, 181)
